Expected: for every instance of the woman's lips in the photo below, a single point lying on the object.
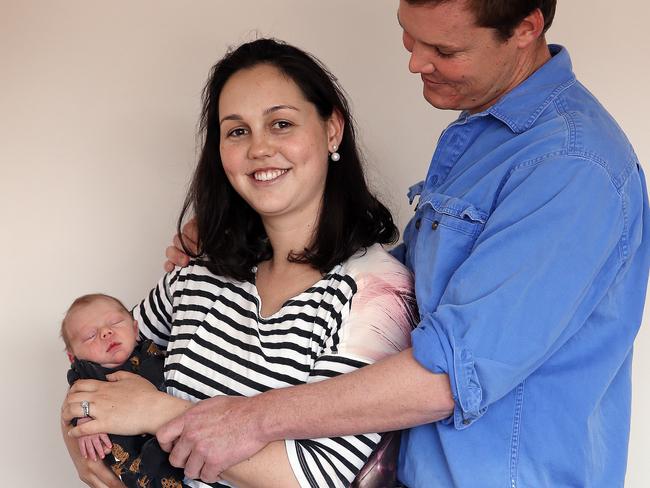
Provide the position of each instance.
(266, 175)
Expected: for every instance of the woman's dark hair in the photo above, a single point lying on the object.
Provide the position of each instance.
(503, 15)
(231, 234)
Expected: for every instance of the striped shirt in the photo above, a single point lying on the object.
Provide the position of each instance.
(218, 343)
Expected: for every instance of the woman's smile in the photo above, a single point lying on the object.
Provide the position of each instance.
(268, 175)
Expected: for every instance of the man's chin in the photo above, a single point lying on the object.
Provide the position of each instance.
(440, 102)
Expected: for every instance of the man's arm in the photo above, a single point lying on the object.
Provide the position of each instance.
(391, 394)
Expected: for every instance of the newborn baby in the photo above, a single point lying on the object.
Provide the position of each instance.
(101, 337)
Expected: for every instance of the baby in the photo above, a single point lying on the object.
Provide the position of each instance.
(100, 336)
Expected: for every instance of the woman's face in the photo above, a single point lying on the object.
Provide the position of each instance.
(274, 145)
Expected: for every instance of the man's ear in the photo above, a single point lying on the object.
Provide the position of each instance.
(70, 356)
(529, 30)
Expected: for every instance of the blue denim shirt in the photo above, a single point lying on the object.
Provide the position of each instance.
(530, 248)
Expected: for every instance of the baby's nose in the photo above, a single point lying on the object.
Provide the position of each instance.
(107, 332)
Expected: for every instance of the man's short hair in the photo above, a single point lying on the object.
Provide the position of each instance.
(502, 15)
(80, 301)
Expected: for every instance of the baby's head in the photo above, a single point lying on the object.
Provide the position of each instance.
(99, 328)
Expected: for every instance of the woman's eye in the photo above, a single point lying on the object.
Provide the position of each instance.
(238, 132)
(282, 124)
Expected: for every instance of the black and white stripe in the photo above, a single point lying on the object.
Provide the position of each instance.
(219, 344)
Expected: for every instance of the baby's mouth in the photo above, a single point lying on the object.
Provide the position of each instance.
(112, 346)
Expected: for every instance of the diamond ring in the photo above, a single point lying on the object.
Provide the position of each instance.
(85, 406)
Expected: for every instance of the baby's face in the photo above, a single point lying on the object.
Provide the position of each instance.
(102, 332)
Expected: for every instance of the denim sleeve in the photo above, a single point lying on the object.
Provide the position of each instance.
(548, 254)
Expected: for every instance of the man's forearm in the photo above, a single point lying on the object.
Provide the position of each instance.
(392, 394)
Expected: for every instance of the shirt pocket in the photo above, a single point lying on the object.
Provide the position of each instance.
(446, 229)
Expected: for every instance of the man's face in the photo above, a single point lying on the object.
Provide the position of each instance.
(463, 66)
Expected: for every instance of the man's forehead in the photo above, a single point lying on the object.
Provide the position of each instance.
(448, 23)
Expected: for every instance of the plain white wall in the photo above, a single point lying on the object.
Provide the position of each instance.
(98, 109)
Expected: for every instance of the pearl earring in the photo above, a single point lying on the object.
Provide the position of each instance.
(335, 156)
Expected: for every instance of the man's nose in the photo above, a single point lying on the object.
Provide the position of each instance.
(419, 62)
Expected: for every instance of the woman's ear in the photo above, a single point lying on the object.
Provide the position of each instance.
(335, 126)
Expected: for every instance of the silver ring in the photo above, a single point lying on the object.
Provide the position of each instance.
(85, 406)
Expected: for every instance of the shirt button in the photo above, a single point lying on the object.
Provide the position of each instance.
(434, 224)
(466, 421)
(417, 224)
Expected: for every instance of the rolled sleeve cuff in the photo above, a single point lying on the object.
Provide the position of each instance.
(440, 354)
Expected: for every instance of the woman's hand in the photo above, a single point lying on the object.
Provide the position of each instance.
(93, 473)
(127, 404)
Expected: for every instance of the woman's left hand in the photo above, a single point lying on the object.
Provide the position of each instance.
(122, 405)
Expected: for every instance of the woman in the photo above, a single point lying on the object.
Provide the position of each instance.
(291, 284)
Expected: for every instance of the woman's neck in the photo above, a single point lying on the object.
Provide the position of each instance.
(288, 237)
(280, 279)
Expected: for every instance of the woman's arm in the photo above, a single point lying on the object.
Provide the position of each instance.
(127, 404)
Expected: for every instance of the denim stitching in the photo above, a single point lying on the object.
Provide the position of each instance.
(516, 431)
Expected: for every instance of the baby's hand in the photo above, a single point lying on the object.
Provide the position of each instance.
(94, 446)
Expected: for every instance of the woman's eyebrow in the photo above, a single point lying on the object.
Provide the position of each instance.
(279, 107)
(230, 117)
(268, 111)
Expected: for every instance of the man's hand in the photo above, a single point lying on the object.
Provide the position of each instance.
(212, 436)
(175, 254)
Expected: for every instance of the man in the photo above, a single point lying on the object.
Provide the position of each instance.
(530, 248)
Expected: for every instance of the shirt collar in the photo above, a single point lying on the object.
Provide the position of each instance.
(520, 108)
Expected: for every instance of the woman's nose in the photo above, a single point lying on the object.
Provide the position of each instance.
(261, 147)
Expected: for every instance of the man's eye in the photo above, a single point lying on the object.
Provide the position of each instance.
(444, 54)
